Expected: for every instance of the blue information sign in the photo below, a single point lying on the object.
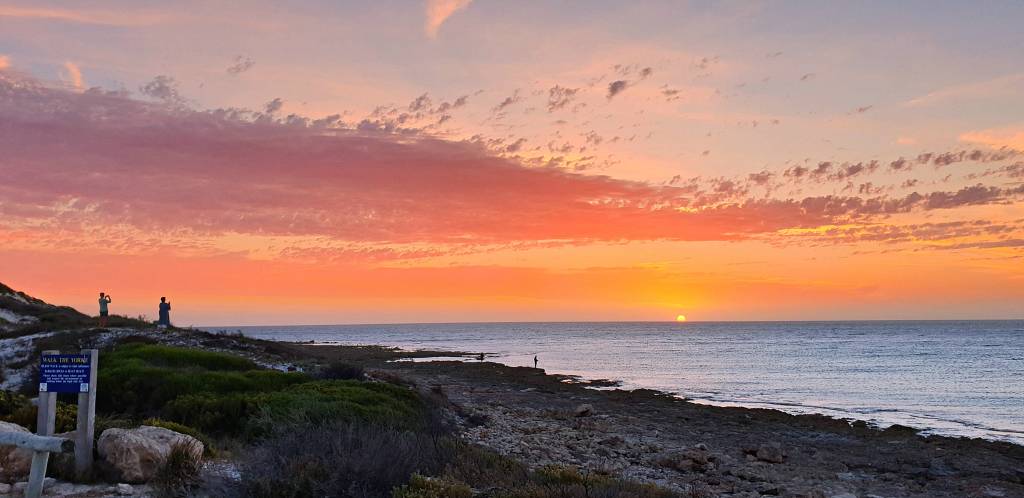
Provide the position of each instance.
(64, 373)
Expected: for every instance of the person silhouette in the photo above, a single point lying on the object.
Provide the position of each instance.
(534, 361)
(104, 311)
(165, 313)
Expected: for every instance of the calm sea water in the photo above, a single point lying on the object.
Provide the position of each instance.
(949, 377)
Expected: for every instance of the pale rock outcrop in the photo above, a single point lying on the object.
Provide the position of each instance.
(771, 452)
(15, 462)
(136, 454)
(584, 410)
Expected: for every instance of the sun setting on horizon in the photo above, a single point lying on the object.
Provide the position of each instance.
(680, 318)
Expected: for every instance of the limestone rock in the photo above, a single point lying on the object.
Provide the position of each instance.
(4, 488)
(124, 489)
(15, 462)
(771, 453)
(61, 489)
(136, 454)
(20, 487)
(693, 459)
(584, 410)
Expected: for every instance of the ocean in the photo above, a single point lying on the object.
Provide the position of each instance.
(961, 378)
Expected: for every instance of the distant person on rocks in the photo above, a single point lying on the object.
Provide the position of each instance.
(104, 311)
(165, 313)
(534, 361)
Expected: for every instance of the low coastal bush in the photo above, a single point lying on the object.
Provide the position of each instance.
(225, 395)
(482, 467)
(426, 487)
(221, 414)
(352, 460)
(142, 379)
(167, 356)
(11, 402)
(332, 401)
(558, 481)
(18, 409)
(341, 371)
(178, 474)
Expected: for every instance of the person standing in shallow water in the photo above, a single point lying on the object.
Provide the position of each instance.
(104, 311)
(165, 313)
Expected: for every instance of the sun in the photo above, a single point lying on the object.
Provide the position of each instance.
(680, 318)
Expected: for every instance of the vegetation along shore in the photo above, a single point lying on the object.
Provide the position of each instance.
(190, 413)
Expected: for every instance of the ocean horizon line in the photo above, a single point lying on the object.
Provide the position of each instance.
(680, 323)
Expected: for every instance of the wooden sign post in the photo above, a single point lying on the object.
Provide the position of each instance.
(65, 373)
(86, 428)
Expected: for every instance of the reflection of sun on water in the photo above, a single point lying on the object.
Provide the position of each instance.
(681, 318)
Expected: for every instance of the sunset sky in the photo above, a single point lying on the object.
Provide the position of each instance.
(482, 160)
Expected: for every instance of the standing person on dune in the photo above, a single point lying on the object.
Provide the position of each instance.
(104, 311)
(165, 313)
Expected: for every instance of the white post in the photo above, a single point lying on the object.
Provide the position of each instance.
(37, 474)
(46, 416)
(46, 420)
(86, 427)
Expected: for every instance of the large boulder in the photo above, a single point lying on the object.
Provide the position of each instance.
(136, 454)
(15, 462)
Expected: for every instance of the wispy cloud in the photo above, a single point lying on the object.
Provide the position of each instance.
(240, 65)
(976, 89)
(616, 87)
(119, 18)
(1010, 138)
(73, 75)
(438, 11)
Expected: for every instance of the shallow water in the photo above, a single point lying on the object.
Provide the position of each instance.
(949, 377)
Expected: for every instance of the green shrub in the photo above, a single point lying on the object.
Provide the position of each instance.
(559, 481)
(425, 487)
(66, 418)
(168, 356)
(178, 474)
(11, 402)
(341, 371)
(213, 413)
(22, 412)
(478, 466)
(338, 460)
(140, 380)
(220, 394)
(104, 422)
(342, 400)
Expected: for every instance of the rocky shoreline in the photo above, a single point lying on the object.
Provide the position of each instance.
(707, 450)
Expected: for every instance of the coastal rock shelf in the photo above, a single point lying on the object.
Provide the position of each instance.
(736, 452)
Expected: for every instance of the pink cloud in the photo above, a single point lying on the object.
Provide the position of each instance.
(1009, 138)
(74, 75)
(94, 158)
(109, 18)
(438, 11)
